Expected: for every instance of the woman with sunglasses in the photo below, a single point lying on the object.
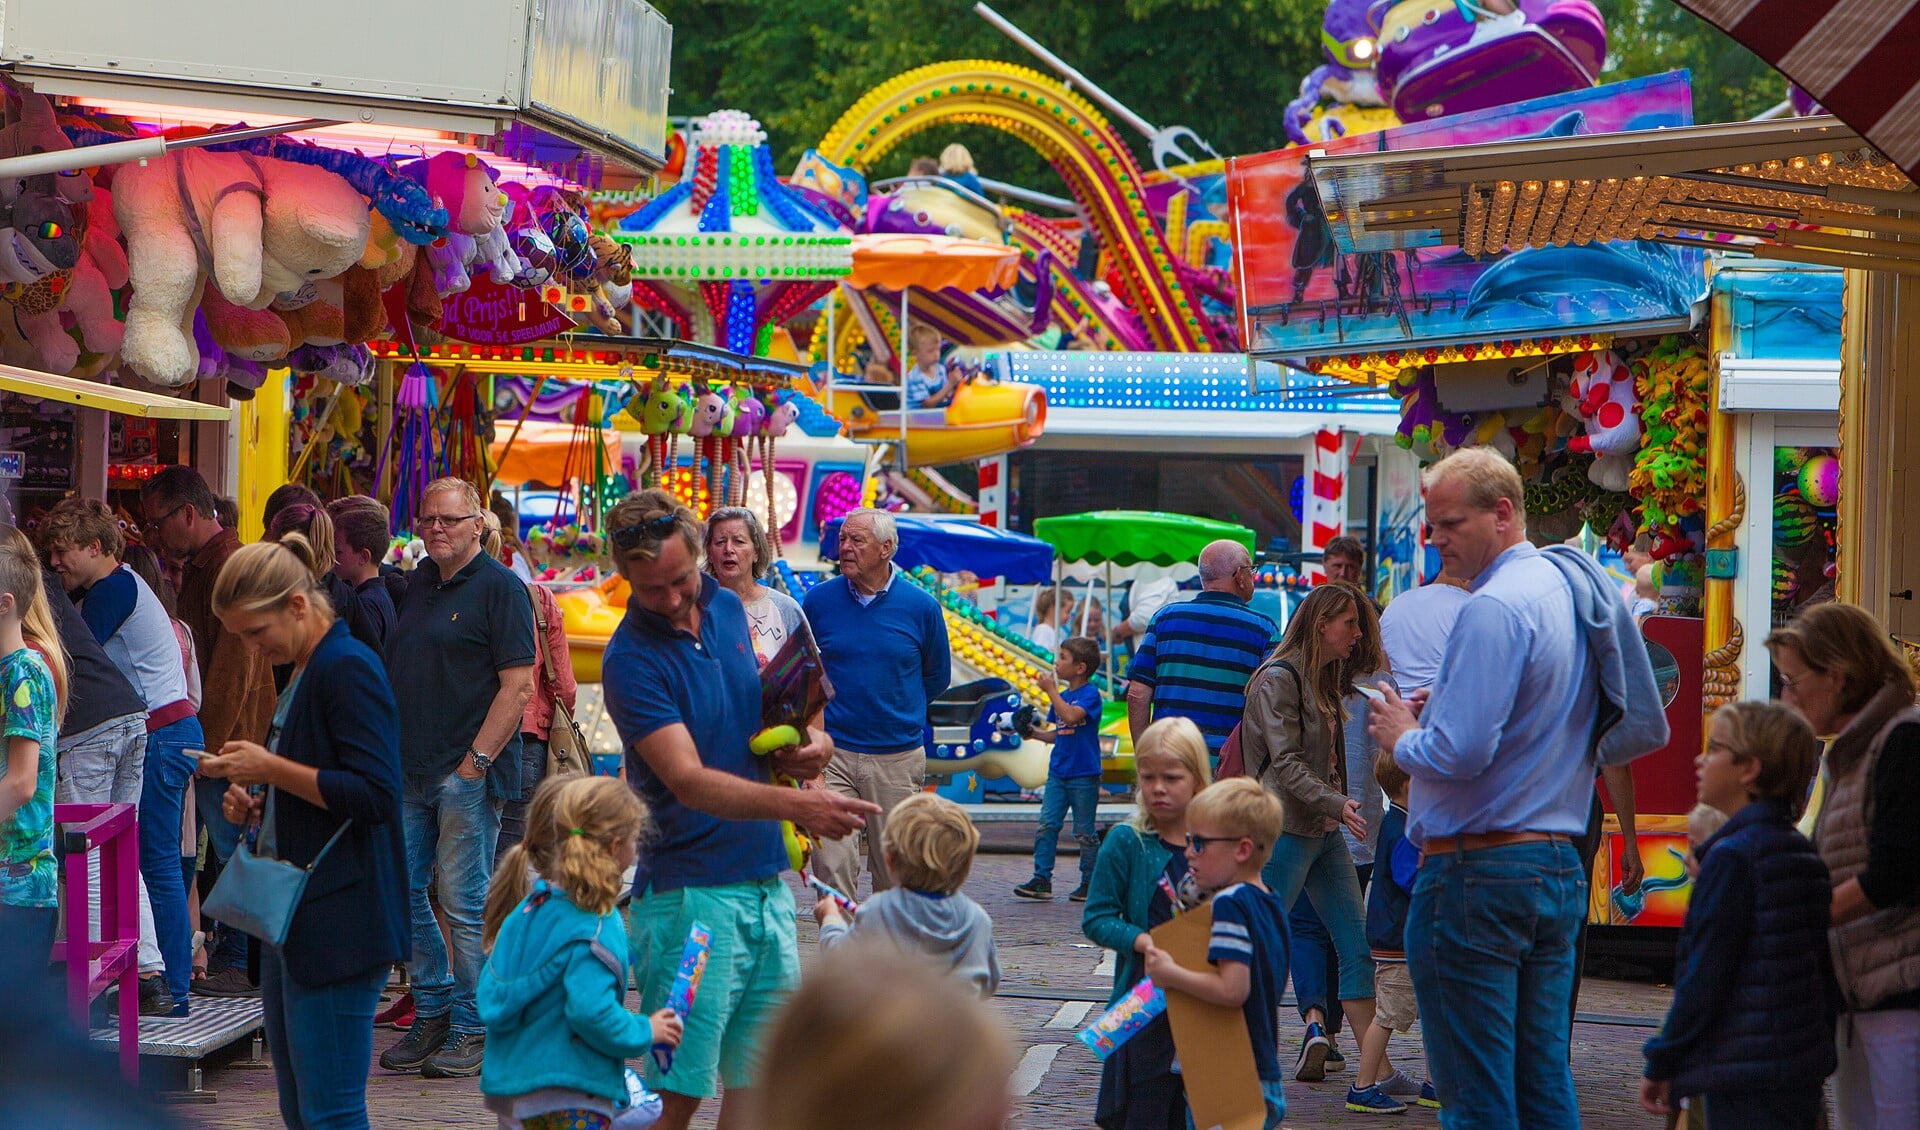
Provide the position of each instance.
(1294, 741)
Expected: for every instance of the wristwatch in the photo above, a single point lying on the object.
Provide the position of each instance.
(480, 760)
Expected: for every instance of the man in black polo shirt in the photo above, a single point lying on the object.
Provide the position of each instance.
(461, 661)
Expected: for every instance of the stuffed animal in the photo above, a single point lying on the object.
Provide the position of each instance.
(1425, 428)
(258, 227)
(1603, 389)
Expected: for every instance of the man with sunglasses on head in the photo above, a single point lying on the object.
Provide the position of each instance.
(180, 518)
(461, 660)
(683, 688)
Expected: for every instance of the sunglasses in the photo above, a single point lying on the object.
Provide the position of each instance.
(1199, 843)
(653, 529)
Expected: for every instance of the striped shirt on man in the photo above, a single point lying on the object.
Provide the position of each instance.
(1197, 657)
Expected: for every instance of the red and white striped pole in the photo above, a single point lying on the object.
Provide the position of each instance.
(1325, 512)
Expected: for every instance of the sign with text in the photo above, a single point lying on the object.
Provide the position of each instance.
(487, 313)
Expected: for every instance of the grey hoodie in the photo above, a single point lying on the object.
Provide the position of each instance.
(1632, 722)
(951, 929)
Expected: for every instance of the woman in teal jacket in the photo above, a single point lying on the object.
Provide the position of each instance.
(1139, 882)
(558, 1034)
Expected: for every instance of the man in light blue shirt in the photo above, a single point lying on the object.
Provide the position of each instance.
(1502, 768)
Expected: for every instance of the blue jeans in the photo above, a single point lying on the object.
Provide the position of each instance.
(164, 780)
(451, 827)
(1490, 947)
(230, 947)
(1316, 966)
(1083, 795)
(321, 1040)
(1323, 868)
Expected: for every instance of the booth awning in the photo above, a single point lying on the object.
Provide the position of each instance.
(1808, 190)
(953, 546)
(1128, 537)
(89, 394)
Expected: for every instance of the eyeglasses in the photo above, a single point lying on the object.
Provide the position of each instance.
(656, 528)
(1199, 843)
(442, 521)
(162, 519)
(1791, 683)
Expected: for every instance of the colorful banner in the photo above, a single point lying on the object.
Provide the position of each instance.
(1301, 296)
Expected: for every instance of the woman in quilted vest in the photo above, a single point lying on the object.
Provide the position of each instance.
(1840, 668)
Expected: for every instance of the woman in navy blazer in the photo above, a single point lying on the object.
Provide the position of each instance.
(332, 756)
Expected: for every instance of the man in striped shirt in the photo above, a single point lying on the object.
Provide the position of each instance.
(1196, 657)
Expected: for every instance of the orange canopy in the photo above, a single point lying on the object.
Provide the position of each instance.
(898, 261)
(539, 454)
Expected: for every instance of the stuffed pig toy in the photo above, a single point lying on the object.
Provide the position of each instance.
(256, 226)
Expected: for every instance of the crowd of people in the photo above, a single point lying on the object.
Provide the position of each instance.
(1397, 812)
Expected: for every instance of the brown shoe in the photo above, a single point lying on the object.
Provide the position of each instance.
(230, 982)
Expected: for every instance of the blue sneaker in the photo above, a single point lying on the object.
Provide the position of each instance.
(1428, 1096)
(1314, 1046)
(1373, 1101)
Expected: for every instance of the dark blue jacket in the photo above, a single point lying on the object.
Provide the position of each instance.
(1753, 994)
(1391, 892)
(342, 721)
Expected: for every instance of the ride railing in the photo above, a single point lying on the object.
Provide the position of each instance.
(112, 831)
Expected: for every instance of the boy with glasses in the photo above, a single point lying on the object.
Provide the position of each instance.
(1231, 829)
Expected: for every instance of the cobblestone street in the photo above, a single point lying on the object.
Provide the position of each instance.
(1054, 982)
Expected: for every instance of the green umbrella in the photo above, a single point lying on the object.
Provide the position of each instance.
(1131, 537)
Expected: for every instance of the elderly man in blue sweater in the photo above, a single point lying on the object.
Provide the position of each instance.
(884, 643)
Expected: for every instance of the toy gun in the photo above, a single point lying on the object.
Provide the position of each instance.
(793, 689)
(686, 985)
(826, 891)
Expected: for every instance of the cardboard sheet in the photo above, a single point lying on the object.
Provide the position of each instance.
(1216, 1055)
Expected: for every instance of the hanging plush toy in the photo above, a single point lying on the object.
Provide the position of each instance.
(1603, 389)
(256, 226)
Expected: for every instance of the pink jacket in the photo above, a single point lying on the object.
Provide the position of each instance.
(538, 717)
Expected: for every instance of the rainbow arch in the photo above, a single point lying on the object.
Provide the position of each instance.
(1064, 128)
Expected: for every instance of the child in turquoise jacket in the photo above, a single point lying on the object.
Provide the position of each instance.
(552, 992)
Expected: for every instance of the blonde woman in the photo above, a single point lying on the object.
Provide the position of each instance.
(331, 767)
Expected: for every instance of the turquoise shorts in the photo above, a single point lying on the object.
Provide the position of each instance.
(755, 963)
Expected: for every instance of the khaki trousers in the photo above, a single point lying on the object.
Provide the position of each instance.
(886, 779)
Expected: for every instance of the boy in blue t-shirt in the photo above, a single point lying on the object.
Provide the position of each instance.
(1073, 776)
(1231, 829)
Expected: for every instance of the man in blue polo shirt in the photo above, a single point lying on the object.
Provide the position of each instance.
(683, 688)
(461, 663)
(884, 643)
(1196, 656)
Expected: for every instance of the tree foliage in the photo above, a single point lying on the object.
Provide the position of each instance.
(1225, 68)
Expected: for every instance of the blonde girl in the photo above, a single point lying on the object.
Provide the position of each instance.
(1139, 881)
(558, 1035)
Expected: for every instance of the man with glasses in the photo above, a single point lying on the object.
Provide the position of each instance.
(884, 643)
(180, 519)
(683, 688)
(461, 660)
(1196, 656)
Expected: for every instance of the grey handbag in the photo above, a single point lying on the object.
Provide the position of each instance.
(258, 892)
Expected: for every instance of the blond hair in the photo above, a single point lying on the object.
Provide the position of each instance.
(1702, 823)
(929, 843)
(1388, 775)
(20, 575)
(1846, 641)
(573, 826)
(263, 576)
(1487, 477)
(1180, 740)
(955, 158)
(874, 1037)
(1239, 806)
(1779, 738)
(491, 543)
(454, 484)
(76, 523)
(311, 522)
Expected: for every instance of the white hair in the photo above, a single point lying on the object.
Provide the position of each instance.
(1221, 559)
(885, 530)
